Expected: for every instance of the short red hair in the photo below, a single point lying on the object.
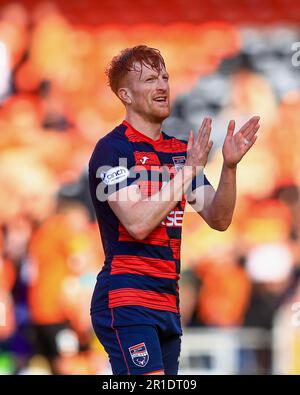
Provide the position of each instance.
(123, 63)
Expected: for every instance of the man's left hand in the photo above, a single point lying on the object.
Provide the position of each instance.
(236, 145)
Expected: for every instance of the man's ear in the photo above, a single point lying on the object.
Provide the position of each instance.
(125, 95)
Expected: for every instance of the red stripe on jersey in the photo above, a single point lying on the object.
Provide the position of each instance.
(161, 169)
(144, 266)
(136, 136)
(139, 168)
(158, 233)
(139, 297)
(158, 236)
(146, 158)
(175, 246)
(172, 145)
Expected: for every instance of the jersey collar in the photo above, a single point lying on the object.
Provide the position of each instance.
(142, 136)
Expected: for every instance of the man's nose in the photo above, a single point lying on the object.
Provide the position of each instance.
(162, 84)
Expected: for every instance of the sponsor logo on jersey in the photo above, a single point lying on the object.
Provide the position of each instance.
(115, 175)
(174, 218)
(150, 157)
(139, 354)
(144, 159)
(179, 162)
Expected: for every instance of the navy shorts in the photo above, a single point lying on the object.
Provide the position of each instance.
(139, 340)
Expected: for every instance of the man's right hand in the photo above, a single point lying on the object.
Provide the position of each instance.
(198, 149)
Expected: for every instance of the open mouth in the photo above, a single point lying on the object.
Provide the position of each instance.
(161, 99)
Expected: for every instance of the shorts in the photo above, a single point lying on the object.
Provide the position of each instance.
(148, 342)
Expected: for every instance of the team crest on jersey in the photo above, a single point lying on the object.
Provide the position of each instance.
(139, 354)
(179, 162)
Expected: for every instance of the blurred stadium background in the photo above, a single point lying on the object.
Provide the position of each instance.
(240, 290)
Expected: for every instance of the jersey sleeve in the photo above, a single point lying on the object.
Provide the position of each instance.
(111, 167)
(199, 180)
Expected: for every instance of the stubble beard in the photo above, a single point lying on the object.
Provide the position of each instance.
(156, 116)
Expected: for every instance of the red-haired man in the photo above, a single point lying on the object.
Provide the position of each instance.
(140, 179)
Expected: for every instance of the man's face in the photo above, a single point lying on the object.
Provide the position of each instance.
(149, 92)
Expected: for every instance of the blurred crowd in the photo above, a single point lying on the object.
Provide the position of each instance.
(54, 106)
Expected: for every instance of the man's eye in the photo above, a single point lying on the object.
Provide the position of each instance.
(166, 78)
(149, 79)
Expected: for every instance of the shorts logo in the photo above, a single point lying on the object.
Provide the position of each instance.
(179, 162)
(139, 354)
(115, 175)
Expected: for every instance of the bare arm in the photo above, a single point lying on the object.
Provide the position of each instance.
(216, 207)
(140, 216)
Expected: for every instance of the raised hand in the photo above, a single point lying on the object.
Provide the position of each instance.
(198, 148)
(236, 145)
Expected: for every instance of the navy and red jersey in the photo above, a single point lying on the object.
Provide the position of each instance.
(137, 273)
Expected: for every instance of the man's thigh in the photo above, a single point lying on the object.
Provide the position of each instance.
(170, 351)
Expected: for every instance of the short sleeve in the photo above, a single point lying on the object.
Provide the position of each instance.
(111, 167)
(199, 180)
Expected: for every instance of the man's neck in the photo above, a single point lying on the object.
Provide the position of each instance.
(148, 128)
